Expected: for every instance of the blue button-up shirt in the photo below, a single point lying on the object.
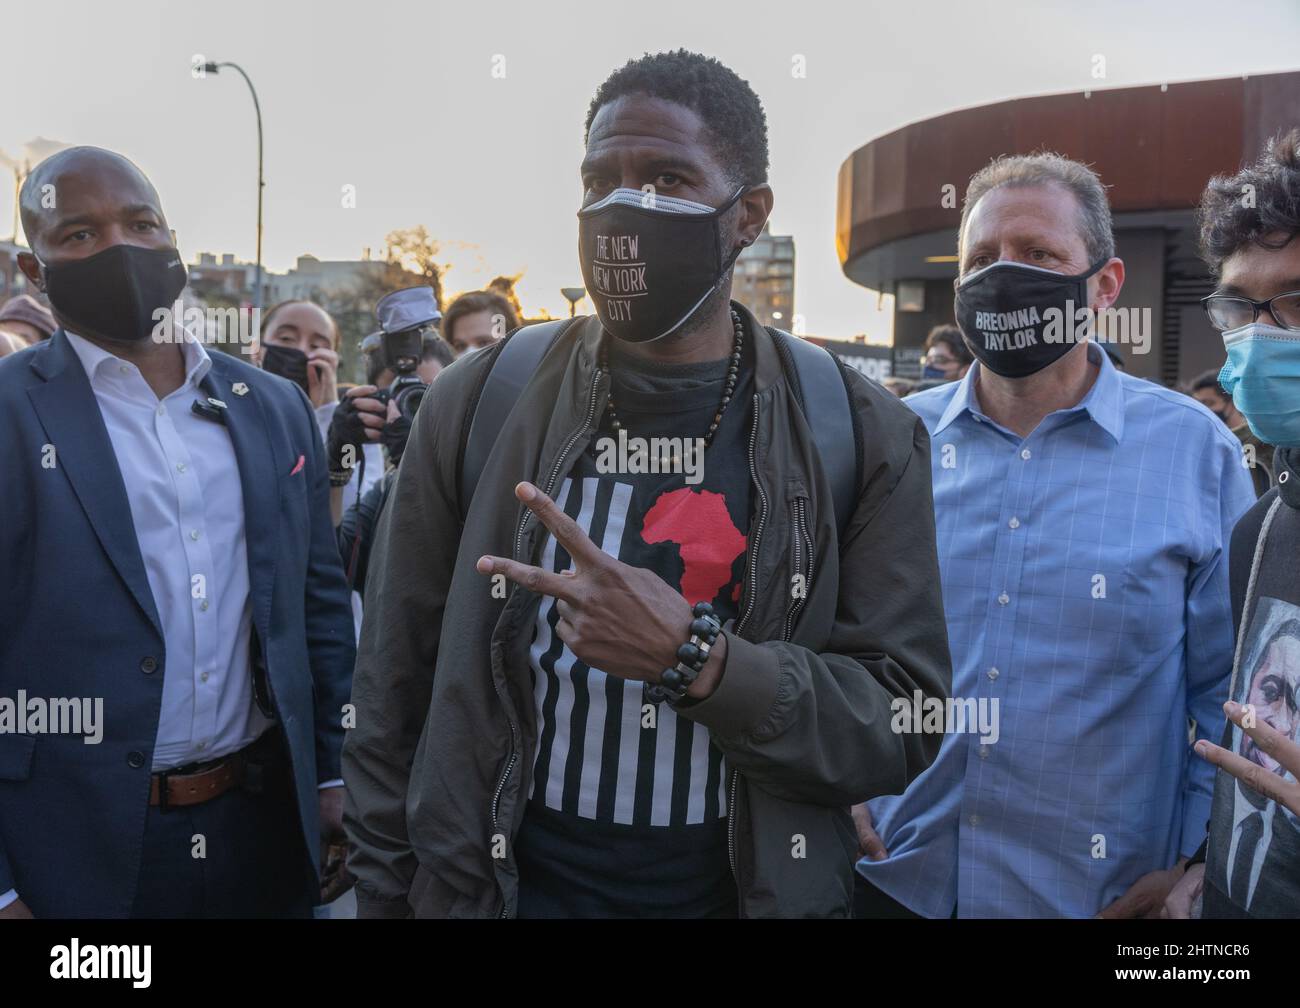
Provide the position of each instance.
(1085, 582)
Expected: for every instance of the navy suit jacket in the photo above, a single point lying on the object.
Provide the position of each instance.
(77, 619)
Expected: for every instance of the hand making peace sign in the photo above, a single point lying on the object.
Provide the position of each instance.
(1270, 740)
(620, 619)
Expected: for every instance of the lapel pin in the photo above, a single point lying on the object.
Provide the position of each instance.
(239, 388)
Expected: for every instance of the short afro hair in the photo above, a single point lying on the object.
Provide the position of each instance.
(1229, 221)
(724, 101)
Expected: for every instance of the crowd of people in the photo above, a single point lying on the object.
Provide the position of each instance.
(1021, 639)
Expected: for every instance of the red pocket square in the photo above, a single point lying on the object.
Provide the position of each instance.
(297, 467)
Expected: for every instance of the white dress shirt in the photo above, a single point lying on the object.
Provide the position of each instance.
(186, 497)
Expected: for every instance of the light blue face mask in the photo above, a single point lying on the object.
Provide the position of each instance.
(1263, 377)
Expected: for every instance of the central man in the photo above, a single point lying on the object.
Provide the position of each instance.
(542, 729)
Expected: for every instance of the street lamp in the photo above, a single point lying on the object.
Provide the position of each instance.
(257, 108)
(573, 295)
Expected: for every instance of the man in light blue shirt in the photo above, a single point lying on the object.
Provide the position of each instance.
(1083, 519)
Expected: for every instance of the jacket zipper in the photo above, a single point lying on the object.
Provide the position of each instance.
(758, 526)
(803, 563)
(519, 545)
(752, 577)
(731, 827)
(555, 471)
(501, 784)
(800, 530)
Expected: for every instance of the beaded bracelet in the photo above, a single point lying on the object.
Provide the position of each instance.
(691, 656)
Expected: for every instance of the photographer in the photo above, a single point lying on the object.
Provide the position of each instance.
(397, 377)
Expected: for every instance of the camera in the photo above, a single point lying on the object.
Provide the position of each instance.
(401, 352)
(405, 316)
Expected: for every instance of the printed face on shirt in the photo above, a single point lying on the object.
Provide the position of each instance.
(1272, 692)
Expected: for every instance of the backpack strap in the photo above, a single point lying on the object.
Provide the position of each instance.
(827, 409)
(816, 371)
(515, 365)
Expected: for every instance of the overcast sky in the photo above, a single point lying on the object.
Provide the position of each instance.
(400, 101)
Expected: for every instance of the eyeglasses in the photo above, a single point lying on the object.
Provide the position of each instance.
(1228, 311)
(940, 361)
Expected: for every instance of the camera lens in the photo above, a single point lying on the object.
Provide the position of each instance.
(408, 400)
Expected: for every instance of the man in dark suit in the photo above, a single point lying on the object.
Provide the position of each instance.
(166, 545)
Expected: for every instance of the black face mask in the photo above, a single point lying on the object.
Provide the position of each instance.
(1018, 319)
(287, 362)
(649, 263)
(116, 293)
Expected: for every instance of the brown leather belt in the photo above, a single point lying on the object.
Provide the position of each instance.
(170, 789)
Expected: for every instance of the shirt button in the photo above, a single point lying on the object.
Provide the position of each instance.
(204, 605)
(135, 760)
(994, 673)
(974, 820)
(201, 744)
(161, 409)
(203, 677)
(124, 369)
(984, 752)
(180, 466)
(1004, 598)
(1014, 523)
(194, 534)
(148, 664)
(1024, 454)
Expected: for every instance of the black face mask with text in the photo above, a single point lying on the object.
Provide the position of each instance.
(1017, 319)
(649, 262)
(116, 293)
(287, 362)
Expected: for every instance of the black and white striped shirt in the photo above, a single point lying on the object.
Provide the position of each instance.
(602, 754)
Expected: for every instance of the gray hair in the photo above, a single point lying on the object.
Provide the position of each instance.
(1048, 168)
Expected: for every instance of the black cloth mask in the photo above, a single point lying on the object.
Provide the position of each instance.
(118, 292)
(649, 262)
(287, 362)
(1017, 319)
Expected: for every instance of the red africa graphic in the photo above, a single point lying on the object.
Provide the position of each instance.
(708, 540)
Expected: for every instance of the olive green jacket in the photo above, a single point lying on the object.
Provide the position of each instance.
(438, 766)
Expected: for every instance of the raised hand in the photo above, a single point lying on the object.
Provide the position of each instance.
(620, 619)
